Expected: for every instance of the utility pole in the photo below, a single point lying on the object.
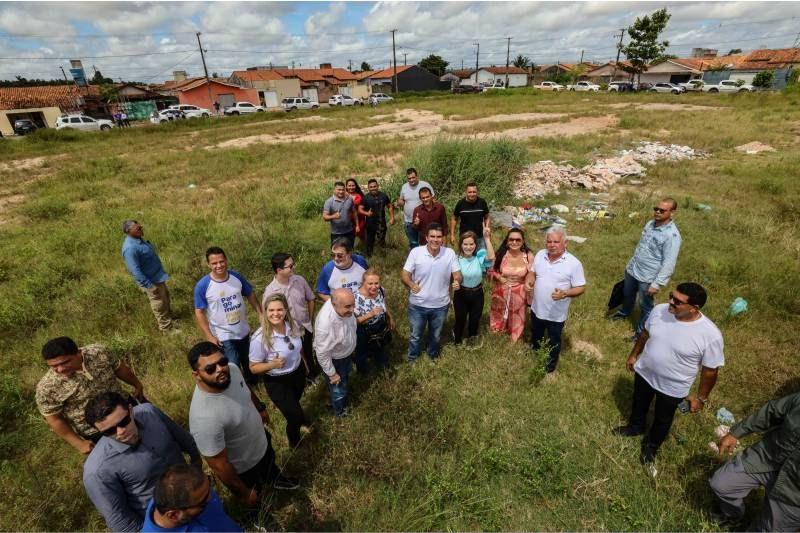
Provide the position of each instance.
(581, 61)
(462, 64)
(477, 55)
(405, 56)
(350, 65)
(64, 73)
(205, 70)
(508, 57)
(619, 49)
(394, 63)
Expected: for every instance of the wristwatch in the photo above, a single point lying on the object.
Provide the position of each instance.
(703, 400)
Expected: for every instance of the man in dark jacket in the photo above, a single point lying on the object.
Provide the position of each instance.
(774, 462)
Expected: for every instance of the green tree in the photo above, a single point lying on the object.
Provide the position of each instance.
(99, 79)
(109, 93)
(365, 66)
(734, 51)
(434, 64)
(576, 72)
(764, 79)
(644, 46)
(522, 62)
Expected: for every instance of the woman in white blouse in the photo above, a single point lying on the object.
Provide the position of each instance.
(374, 320)
(276, 354)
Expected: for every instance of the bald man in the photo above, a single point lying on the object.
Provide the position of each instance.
(334, 343)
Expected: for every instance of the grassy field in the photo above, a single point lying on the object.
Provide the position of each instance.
(477, 441)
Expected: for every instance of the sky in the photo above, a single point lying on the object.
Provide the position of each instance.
(147, 41)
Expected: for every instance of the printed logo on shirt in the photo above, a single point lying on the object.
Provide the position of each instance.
(233, 308)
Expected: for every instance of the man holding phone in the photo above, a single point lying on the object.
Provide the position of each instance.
(676, 340)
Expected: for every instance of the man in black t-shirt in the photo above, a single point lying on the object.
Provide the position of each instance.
(373, 206)
(474, 214)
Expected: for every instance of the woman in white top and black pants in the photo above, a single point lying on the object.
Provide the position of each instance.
(275, 354)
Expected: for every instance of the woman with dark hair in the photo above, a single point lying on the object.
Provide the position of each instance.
(468, 298)
(354, 190)
(510, 300)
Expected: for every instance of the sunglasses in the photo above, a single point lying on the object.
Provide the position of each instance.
(338, 255)
(288, 342)
(660, 210)
(212, 367)
(676, 301)
(289, 266)
(121, 424)
(514, 240)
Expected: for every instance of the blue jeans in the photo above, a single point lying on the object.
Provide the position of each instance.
(411, 234)
(631, 288)
(237, 351)
(366, 349)
(553, 330)
(339, 391)
(418, 318)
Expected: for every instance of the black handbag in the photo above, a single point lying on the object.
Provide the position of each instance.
(379, 332)
(615, 300)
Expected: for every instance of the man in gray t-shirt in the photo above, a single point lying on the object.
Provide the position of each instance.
(227, 423)
(339, 210)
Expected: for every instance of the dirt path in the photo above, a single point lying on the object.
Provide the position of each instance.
(660, 106)
(576, 126)
(421, 123)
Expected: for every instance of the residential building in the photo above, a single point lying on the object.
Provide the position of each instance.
(44, 104)
(745, 66)
(319, 84)
(611, 71)
(409, 78)
(272, 87)
(196, 92)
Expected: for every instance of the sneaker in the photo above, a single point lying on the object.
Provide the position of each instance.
(647, 457)
(627, 431)
(652, 471)
(617, 316)
(305, 430)
(285, 483)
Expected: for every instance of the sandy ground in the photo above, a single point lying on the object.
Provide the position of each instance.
(659, 106)
(24, 164)
(420, 123)
(576, 126)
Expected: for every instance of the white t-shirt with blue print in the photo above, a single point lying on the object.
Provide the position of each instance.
(224, 304)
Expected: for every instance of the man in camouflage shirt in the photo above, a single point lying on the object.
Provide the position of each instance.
(75, 375)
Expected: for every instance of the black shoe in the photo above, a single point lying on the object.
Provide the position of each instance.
(721, 519)
(627, 431)
(617, 316)
(285, 483)
(647, 456)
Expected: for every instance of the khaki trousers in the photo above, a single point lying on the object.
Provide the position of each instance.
(159, 303)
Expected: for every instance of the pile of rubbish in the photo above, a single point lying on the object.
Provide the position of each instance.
(510, 216)
(592, 210)
(754, 148)
(546, 177)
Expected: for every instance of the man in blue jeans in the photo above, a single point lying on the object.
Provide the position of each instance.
(334, 343)
(220, 310)
(652, 264)
(427, 273)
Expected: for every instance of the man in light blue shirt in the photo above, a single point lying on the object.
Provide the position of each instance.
(652, 264)
(144, 265)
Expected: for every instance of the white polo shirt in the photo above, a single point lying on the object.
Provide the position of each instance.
(432, 274)
(564, 273)
(676, 350)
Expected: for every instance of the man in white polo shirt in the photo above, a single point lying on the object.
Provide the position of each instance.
(220, 310)
(427, 274)
(556, 277)
(345, 270)
(408, 200)
(676, 341)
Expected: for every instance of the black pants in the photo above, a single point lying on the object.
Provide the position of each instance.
(308, 356)
(375, 231)
(662, 417)
(468, 305)
(265, 472)
(553, 329)
(285, 392)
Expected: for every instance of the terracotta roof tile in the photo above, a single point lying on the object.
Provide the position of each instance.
(257, 75)
(464, 73)
(365, 74)
(389, 72)
(65, 97)
(769, 59)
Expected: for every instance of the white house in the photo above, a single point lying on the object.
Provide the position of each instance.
(674, 71)
(517, 77)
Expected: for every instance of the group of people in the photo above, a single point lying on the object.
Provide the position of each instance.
(121, 119)
(144, 471)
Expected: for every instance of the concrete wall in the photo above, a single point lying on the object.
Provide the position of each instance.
(47, 115)
(199, 95)
(713, 77)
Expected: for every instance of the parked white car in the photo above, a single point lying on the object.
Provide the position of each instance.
(693, 85)
(549, 86)
(584, 86)
(343, 100)
(294, 103)
(191, 111)
(664, 87)
(728, 86)
(242, 108)
(379, 98)
(83, 123)
(167, 115)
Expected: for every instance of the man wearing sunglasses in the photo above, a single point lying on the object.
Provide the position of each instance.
(345, 270)
(676, 342)
(138, 444)
(227, 422)
(185, 501)
(652, 264)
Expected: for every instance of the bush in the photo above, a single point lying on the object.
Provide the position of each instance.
(764, 79)
(47, 208)
(452, 163)
(310, 205)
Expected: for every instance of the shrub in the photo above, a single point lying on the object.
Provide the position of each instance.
(764, 79)
(310, 205)
(47, 208)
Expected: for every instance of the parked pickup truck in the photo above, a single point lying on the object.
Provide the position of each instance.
(584, 86)
(549, 86)
(728, 86)
(692, 85)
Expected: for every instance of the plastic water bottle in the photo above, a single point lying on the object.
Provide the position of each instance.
(739, 305)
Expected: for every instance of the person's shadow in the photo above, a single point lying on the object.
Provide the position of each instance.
(622, 393)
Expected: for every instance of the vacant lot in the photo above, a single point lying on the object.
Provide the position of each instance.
(476, 441)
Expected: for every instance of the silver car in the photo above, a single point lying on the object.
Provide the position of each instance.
(83, 123)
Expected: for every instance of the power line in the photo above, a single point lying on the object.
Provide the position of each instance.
(90, 57)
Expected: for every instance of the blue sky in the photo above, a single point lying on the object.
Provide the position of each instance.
(146, 41)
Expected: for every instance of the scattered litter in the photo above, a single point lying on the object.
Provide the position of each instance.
(546, 177)
(559, 208)
(703, 207)
(754, 148)
(592, 210)
(635, 182)
(191, 186)
(725, 417)
(739, 305)
(634, 214)
(722, 430)
(713, 447)
(511, 216)
(575, 238)
(587, 349)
